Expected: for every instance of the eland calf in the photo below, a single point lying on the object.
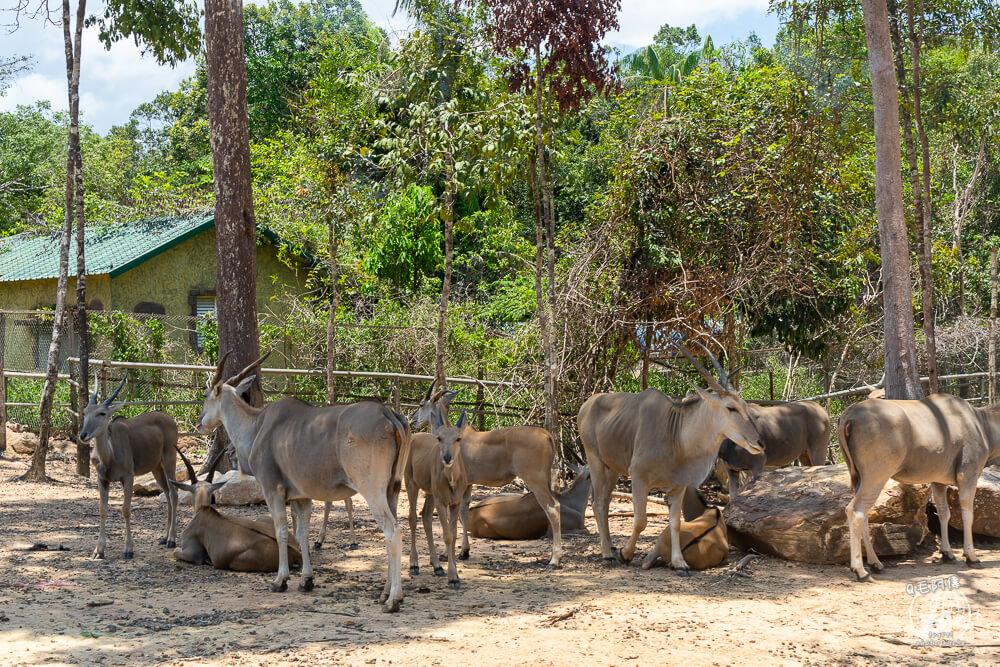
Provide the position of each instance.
(125, 448)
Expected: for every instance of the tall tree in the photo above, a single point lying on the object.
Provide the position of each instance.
(902, 378)
(235, 224)
(562, 39)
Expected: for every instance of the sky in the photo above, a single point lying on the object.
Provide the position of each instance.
(113, 83)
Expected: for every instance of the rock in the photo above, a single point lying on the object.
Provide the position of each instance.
(798, 513)
(145, 485)
(22, 442)
(985, 506)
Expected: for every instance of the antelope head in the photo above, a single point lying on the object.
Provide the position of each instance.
(449, 437)
(97, 415)
(425, 410)
(729, 413)
(211, 411)
(201, 492)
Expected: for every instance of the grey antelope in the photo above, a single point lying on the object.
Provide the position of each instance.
(516, 516)
(661, 443)
(940, 440)
(226, 543)
(348, 505)
(124, 448)
(793, 431)
(436, 467)
(299, 452)
(495, 458)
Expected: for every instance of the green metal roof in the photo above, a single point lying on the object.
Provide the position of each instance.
(111, 250)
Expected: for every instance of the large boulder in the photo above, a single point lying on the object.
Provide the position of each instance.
(145, 485)
(985, 506)
(798, 513)
(22, 442)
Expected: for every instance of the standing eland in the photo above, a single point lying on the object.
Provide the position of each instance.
(940, 440)
(660, 443)
(124, 448)
(300, 452)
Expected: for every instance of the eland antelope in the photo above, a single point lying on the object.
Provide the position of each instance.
(299, 452)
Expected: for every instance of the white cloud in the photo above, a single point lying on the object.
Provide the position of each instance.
(640, 19)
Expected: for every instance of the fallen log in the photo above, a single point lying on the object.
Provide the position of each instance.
(798, 513)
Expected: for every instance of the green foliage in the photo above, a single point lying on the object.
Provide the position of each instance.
(167, 29)
(404, 242)
(131, 338)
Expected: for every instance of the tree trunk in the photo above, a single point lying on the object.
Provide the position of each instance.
(331, 323)
(993, 324)
(924, 247)
(449, 253)
(647, 340)
(82, 448)
(539, 189)
(36, 473)
(902, 376)
(235, 225)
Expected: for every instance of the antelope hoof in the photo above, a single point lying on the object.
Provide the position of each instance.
(454, 585)
(973, 562)
(619, 555)
(97, 556)
(414, 570)
(464, 555)
(683, 573)
(128, 555)
(171, 544)
(876, 567)
(353, 546)
(390, 607)
(162, 541)
(317, 545)
(279, 588)
(947, 558)
(438, 571)
(307, 585)
(866, 577)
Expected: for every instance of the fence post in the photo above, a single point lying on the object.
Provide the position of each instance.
(104, 380)
(395, 395)
(770, 382)
(82, 448)
(3, 389)
(480, 402)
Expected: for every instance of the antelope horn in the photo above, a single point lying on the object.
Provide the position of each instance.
(437, 396)
(93, 397)
(712, 382)
(190, 468)
(114, 394)
(427, 396)
(732, 374)
(718, 367)
(212, 462)
(218, 369)
(246, 371)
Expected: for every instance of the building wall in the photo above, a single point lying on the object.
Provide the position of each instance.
(169, 278)
(41, 294)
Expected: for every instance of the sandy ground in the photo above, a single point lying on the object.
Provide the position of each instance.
(61, 607)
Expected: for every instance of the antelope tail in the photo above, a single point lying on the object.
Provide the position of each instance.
(402, 433)
(845, 447)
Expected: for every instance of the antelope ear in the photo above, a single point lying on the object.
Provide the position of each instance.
(181, 485)
(448, 396)
(243, 388)
(212, 488)
(115, 407)
(460, 424)
(705, 396)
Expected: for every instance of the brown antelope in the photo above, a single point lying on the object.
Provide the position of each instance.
(436, 467)
(703, 536)
(300, 452)
(224, 542)
(515, 516)
(793, 431)
(495, 458)
(940, 440)
(124, 448)
(660, 443)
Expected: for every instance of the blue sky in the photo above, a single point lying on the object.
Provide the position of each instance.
(114, 82)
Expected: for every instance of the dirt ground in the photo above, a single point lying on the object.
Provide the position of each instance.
(57, 606)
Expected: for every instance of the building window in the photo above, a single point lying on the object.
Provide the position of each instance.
(202, 305)
(149, 308)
